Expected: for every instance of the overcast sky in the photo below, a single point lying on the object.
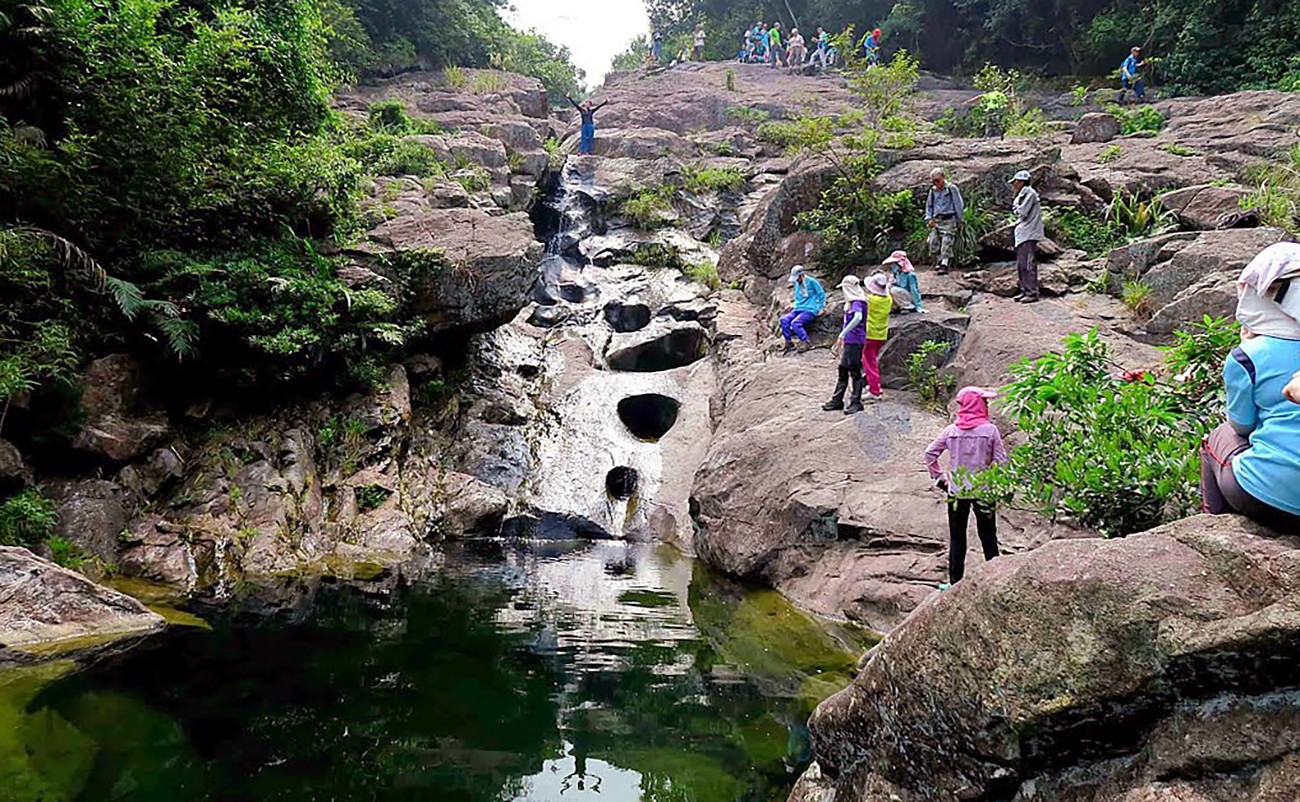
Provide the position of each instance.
(595, 30)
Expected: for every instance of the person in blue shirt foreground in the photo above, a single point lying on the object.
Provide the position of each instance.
(809, 301)
(1251, 464)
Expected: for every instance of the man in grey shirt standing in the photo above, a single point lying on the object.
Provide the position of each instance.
(944, 214)
(1029, 230)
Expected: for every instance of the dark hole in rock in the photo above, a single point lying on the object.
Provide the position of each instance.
(673, 350)
(573, 293)
(650, 416)
(620, 483)
(625, 318)
(545, 317)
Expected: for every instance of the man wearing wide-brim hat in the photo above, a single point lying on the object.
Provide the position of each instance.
(1029, 230)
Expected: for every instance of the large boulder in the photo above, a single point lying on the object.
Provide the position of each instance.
(93, 513)
(489, 263)
(837, 512)
(644, 144)
(14, 471)
(1160, 667)
(1003, 332)
(119, 424)
(49, 612)
(1192, 274)
(1205, 206)
(909, 333)
(1095, 127)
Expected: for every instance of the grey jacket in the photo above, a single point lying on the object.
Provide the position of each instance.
(1029, 216)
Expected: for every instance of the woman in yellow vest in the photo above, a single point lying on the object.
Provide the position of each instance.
(879, 305)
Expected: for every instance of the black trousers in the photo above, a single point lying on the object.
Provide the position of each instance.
(986, 522)
(850, 368)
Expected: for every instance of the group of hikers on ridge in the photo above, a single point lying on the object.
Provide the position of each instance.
(1250, 464)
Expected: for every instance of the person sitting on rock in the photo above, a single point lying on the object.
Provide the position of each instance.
(809, 301)
(879, 306)
(1130, 76)
(1251, 464)
(1029, 232)
(974, 444)
(587, 141)
(848, 346)
(904, 287)
(945, 213)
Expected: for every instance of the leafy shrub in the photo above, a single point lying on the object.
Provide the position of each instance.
(370, 497)
(1109, 154)
(655, 254)
(748, 115)
(1142, 119)
(1130, 217)
(924, 376)
(277, 308)
(1278, 190)
(392, 117)
(705, 273)
(66, 553)
(1076, 229)
(712, 179)
(27, 518)
(1115, 453)
(407, 157)
(1137, 297)
(648, 209)
(1176, 149)
(455, 78)
(731, 81)
(486, 83)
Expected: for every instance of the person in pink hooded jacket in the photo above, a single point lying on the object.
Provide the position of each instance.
(974, 444)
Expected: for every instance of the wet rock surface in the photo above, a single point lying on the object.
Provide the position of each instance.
(48, 611)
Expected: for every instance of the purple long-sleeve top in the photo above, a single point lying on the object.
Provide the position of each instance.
(974, 450)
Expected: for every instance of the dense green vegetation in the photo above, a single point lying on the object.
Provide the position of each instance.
(1115, 451)
(172, 176)
(1202, 45)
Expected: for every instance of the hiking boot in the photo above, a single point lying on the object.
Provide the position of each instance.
(788, 349)
(854, 408)
(833, 405)
(803, 346)
(945, 586)
(874, 398)
(1028, 300)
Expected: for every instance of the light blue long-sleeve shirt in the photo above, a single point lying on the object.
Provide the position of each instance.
(809, 296)
(907, 281)
(1256, 374)
(1130, 67)
(944, 202)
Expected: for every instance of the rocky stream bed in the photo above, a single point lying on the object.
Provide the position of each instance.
(583, 387)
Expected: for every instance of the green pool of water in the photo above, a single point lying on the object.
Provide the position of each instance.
(545, 673)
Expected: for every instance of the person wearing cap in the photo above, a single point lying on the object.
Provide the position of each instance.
(871, 47)
(809, 301)
(974, 444)
(1029, 231)
(904, 287)
(1250, 465)
(849, 345)
(879, 306)
(798, 51)
(945, 212)
(1130, 77)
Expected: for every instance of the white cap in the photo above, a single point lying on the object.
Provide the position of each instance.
(1023, 175)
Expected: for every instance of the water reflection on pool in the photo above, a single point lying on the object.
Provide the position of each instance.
(512, 673)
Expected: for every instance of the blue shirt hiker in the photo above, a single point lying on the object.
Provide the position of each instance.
(1256, 374)
(809, 301)
(1130, 77)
